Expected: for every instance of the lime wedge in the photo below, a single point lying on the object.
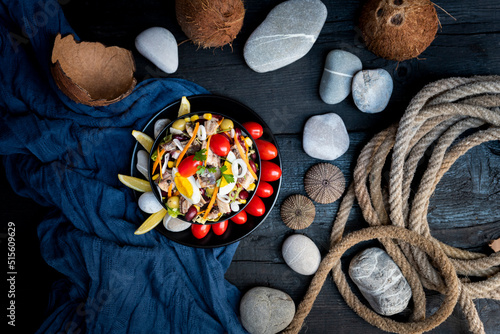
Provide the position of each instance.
(143, 139)
(135, 183)
(151, 222)
(185, 107)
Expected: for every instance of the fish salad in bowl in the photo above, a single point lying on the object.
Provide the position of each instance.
(205, 168)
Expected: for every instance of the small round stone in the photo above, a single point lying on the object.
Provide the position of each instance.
(148, 203)
(340, 67)
(297, 212)
(371, 90)
(301, 254)
(266, 311)
(325, 137)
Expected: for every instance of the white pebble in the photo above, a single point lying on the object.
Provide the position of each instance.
(301, 254)
(148, 203)
(160, 125)
(175, 224)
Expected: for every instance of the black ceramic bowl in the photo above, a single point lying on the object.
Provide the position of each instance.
(200, 114)
(240, 112)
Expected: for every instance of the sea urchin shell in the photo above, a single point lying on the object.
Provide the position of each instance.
(324, 183)
(297, 212)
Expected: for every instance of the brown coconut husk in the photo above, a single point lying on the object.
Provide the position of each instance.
(91, 73)
(210, 23)
(398, 29)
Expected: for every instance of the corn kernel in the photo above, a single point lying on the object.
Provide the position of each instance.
(251, 187)
(195, 118)
(207, 116)
(155, 176)
(170, 164)
(187, 119)
(243, 201)
(248, 141)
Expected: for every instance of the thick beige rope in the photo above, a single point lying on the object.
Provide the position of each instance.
(435, 120)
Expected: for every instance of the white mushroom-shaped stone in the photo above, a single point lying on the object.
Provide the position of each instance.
(175, 224)
(160, 125)
(142, 163)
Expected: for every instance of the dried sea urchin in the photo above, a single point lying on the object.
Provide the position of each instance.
(324, 183)
(297, 212)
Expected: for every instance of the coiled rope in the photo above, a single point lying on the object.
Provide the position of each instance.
(436, 117)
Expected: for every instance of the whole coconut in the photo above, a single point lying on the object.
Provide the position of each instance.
(398, 29)
(210, 23)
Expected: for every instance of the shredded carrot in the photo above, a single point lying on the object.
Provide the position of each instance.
(211, 203)
(177, 193)
(169, 194)
(195, 132)
(219, 122)
(244, 156)
(158, 158)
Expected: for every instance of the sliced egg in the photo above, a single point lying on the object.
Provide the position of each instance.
(187, 187)
(225, 187)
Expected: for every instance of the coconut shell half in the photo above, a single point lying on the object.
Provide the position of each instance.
(210, 23)
(398, 29)
(91, 73)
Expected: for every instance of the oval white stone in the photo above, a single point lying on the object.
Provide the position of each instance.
(160, 125)
(286, 35)
(301, 254)
(148, 203)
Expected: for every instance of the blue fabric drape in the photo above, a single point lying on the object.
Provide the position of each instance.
(66, 156)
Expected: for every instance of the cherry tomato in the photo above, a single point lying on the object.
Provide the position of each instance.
(266, 149)
(200, 231)
(240, 218)
(220, 228)
(255, 207)
(264, 189)
(254, 129)
(220, 145)
(189, 166)
(269, 171)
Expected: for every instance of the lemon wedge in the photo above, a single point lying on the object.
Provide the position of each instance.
(143, 139)
(135, 183)
(185, 107)
(151, 222)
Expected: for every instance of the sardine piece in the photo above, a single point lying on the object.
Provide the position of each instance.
(184, 205)
(223, 207)
(211, 127)
(246, 180)
(166, 180)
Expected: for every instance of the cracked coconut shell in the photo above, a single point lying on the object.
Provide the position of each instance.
(91, 73)
(297, 212)
(398, 29)
(210, 23)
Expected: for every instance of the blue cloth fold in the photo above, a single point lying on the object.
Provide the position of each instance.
(67, 156)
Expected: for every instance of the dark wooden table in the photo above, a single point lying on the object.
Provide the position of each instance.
(464, 212)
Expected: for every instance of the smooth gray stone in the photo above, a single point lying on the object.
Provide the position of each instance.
(380, 281)
(266, 311)
(301, 254)
(371, 90)
(325, 137)
(340, 67)
(159, 46)
(286, 35)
